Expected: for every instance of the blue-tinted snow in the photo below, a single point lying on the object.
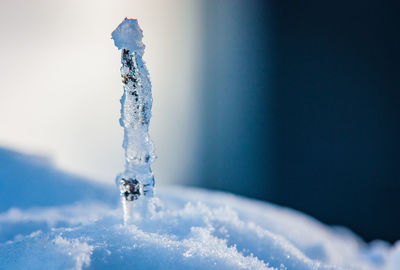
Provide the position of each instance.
(28, 180)
(128, 35)
(190, 229)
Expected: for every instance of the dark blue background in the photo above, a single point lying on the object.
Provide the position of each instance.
(302, 106)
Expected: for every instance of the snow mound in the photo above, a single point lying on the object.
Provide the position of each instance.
(30, 180)
(189, 229)
(128, 35)
(186, 229)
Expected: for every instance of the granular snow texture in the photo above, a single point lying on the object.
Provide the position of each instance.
(189, 229)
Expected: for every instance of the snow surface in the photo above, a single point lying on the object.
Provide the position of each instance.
(188, 229)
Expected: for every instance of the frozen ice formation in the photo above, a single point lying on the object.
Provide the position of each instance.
(136, 102)
(128, 35)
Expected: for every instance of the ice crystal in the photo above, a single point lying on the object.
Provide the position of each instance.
(137, 179)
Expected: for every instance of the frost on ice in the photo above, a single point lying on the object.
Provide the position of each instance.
(136, 102)
(128, 35)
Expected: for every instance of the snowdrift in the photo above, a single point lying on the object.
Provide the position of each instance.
(187, 229)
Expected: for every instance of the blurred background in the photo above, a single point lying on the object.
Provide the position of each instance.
(296, 104)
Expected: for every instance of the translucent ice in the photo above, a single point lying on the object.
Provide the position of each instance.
(136, 102)
(128, 35)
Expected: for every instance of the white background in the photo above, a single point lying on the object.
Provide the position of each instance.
(60, 84)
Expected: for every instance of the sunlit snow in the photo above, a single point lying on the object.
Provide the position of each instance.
(187, 229)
